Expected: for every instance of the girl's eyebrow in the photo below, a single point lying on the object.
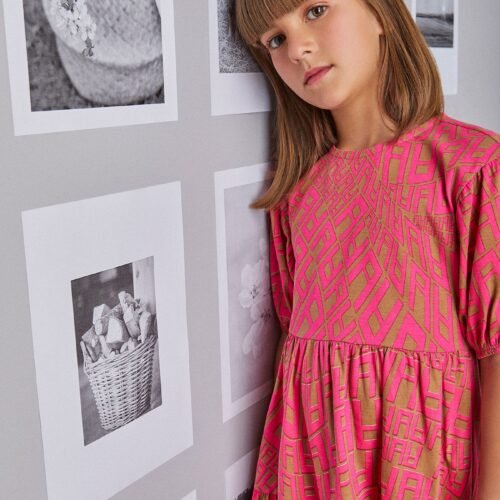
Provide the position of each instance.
(266, 34)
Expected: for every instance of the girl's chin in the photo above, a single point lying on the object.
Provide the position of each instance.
(327, 105)
(326, 101)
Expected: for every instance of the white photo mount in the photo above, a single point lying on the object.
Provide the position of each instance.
(27, 121)
(241, 475)
(233, 93)
(446, 58)
(67, 241)
(236, 393)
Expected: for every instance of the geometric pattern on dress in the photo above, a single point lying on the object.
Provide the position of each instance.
(384, 271)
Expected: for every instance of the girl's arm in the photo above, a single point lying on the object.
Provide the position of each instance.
(279, 350)
(489, 454)
(281, 264)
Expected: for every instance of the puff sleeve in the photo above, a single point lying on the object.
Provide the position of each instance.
(478, 230)
(281, 264)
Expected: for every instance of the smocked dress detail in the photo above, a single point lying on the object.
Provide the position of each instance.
(384, 270)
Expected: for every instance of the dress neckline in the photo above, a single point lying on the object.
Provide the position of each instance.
(377, 148)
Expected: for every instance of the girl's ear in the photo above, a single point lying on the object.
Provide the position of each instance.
(378, 27)
(378, 24)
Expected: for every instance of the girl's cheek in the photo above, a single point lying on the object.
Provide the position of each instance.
(280, 68)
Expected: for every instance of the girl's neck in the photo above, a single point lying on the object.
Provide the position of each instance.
(361, 127)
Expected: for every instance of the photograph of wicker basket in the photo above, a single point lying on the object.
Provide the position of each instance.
(110, 338)
(118, 366)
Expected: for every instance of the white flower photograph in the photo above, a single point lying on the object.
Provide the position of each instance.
(249, 329)
(236, 82)
(109, 328)
(74, 60)
(117, 346)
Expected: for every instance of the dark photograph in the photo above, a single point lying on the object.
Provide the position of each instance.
(245, 495)
(117, 346)
(93, 53)
(435, 18)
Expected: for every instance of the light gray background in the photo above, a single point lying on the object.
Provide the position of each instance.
(36, 171)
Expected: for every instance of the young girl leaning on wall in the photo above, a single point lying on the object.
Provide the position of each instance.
(384, 262)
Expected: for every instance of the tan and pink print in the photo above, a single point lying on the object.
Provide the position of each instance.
(384, 271)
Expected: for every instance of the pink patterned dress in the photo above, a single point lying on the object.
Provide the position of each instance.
(384, 271)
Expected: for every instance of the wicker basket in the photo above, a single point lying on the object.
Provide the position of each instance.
(122, 385)
(127, 65)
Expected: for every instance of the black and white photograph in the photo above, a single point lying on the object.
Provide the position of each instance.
(107, 301)
(246, 494)
(237, 84)
(240, 476)
(234, 57)
(117, 346)
(249, 328)
(438, 21)
(435, 18)
(84, 57)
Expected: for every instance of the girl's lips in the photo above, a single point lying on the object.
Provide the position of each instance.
(316, 74)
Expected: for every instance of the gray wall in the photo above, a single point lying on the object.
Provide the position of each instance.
(35, 173)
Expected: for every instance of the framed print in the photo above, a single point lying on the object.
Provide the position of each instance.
(80, 64)
(241, 476)
(108, 313)
(438, 22)
(237, 84)
(248, 327)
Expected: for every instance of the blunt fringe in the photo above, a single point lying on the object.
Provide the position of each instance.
(409, 88)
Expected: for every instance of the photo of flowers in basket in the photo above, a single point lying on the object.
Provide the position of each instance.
(117, 345)
(93, 53)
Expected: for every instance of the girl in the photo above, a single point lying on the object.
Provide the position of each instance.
(384, 262)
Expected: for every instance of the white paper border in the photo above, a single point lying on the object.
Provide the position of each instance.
(68, 241)
(39, 122)
(241, 475)
(224, 180)
(190, 496)
(233, 93)
(446, 58)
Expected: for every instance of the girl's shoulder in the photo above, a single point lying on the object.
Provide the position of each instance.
(461, 150)
(467, 131)
(473, 141)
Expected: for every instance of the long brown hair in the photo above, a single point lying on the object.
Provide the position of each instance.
(409, 88)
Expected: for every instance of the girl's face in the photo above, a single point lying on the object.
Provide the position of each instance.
(327, 52)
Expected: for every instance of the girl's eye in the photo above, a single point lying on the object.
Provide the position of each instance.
(316, 12)
(275, 41)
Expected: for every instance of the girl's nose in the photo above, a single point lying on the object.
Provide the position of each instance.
(300, 44)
